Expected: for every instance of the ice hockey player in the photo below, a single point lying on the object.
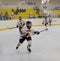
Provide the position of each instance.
(50, 20)
(27, 32)
(45, 22)
(20, 24)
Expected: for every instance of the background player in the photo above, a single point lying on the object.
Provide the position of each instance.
(45, 22)
(50, 20)
(20, 24)
(27, 32)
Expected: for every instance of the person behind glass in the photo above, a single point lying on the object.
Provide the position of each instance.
(27, 32)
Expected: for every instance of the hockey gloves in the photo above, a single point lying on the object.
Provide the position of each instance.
(37, 32)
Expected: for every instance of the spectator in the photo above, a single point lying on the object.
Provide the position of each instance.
(1, 16)
(24, 10)
(17, 11)
(13, 11)
(12, 15)
(37, 11)
(20, 10)
(31, 16)
(6, 16)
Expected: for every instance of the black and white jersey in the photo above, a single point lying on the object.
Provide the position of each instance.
(25, 31)
(20, 23)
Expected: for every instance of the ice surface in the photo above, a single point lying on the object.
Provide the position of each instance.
(45, 46)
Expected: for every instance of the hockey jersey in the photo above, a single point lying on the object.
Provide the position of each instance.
(26, 31)
(21, 23)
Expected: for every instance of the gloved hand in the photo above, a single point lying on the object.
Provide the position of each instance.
(17, 26)
(37, 32)
(27, 34)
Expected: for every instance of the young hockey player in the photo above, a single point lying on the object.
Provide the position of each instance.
(20, 24)
(50, 20)
(46, 22)
(27, 32)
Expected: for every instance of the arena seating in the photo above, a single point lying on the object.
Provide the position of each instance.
(56, 12)
(24, 15)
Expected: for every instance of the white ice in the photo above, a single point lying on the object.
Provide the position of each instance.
(45, 46)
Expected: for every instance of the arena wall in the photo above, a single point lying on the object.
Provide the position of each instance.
(36, 22)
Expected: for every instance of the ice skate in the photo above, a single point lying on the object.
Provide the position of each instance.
(28, 48)
(17, 47)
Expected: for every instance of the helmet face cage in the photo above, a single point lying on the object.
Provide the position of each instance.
(29, 24)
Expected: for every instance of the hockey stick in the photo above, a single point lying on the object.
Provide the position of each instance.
(43, 30)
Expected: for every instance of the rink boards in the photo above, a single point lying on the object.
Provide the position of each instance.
(10, 24)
